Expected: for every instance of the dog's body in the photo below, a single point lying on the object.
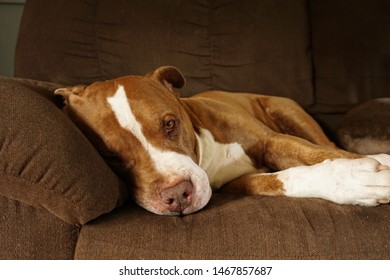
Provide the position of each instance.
(174, 150)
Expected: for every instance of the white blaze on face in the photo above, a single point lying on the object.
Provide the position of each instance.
(172, 166)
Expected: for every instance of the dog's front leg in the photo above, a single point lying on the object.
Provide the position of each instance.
(362, 181)
(285, 151)
(256, 183)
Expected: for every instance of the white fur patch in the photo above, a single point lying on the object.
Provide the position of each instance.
(125, 116)
(346, 181)
(222, 162)
(171, 165)
(383, 159)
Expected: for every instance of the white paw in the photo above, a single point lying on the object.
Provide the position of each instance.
(383, 159)
(361, 181)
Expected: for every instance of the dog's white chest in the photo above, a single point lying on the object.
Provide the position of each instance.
(222, 162)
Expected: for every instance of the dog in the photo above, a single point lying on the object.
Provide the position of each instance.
(174, 151)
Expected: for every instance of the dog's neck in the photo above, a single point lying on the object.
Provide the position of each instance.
(221, 162)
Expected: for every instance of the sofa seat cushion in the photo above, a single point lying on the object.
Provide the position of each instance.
(46, 161)
(241, 227)
(28, 232)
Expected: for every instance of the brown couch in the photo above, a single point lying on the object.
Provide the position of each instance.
(58, 198)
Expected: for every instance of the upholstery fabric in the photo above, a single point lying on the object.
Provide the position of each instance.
(327, 55)
(230, 45)
(239, 227)
(46, 162)
(365, 129)
(351, 52)
(33, 233)
(59, 199)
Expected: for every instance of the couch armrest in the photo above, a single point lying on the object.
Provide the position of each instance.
(45, 161)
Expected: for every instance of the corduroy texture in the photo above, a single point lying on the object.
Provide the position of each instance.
(28, 232)
(236, 227)
(45, 161)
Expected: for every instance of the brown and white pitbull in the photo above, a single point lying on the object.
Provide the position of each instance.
(175, 151)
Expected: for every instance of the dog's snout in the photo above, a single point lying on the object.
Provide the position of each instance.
(178, 197)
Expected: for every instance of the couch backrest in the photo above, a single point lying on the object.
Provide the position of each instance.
(323, 53)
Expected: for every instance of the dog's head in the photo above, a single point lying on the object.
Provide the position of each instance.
(140, 127)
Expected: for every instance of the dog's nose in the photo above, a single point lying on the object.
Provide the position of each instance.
(178, 197)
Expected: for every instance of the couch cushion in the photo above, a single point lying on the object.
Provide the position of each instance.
(47, 162)
(366, 128)
(248, 45)
(242, 227)
(28, 232)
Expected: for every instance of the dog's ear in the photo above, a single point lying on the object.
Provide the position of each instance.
(169, 76)
(67, 91)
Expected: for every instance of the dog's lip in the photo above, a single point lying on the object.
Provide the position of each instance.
(160, 209)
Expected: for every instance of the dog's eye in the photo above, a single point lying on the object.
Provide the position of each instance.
(113, 159)
(169, 124)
